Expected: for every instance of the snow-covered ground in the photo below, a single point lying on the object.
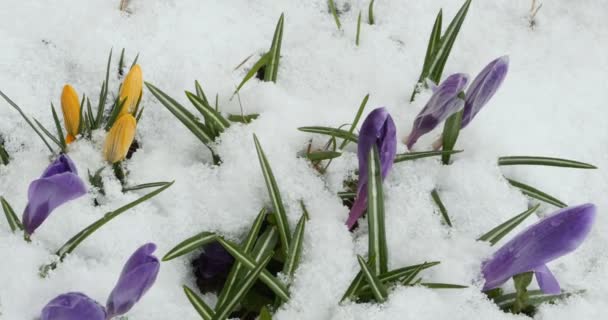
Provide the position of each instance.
(553, 103)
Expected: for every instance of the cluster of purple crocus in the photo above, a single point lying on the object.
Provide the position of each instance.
(136, 278)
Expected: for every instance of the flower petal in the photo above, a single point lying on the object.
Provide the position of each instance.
(546, 280)
(62, 164)
(73, 306)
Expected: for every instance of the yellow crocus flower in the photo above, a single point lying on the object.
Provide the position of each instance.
(70, 106)
(131, 90)
(119, 139)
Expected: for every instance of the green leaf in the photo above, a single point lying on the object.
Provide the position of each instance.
(237, 270)
(272, 68)
(263, 61)
(71, 244)
(394, 275)
(370, 13)
(432, 285)
(275, 197)
(345, 195)
(352, 291)
(273, 283)
(199, 305)
(451, 129)
(322, 155)
(442, 209)
(535, 298)
(181, 113)
(440, 56)
(358, 29)
(543, 161)
(14, 105)
(103, 96)
(333, 132)
(190, 244)
(409, 279)
(49, 134)
(4, 157)
(265, 314)
(58, 128)
(494, 235)
(356, 121)
(218, 121)
(375, 213)
(408, 156)
(12, 219)
(334, 13)
(521, 281)
(295, 250)
(434, 41)
(377, 287)
(114, 112)
(536, 194)
(245, 118)
(244, 286)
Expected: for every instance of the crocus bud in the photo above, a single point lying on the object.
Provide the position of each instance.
(119, 138)
(70, 106)
(550, 238)
(484, 87)
(73, 306)
(377, 129)
(444, 102)
(212, 267)
(131, 90)
(58, 184)
(138, 275)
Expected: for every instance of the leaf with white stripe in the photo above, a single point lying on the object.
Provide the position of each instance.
(536, 194)
(375, 214)
(199, 305)
(408, 156)
(274, 55)
(376, 286)
(543, 161)
(12, 219)
(333, 132)
(434, 41)
(295, 250)
(394, 275)
(190, 244)
(494, 235)
(218, 121)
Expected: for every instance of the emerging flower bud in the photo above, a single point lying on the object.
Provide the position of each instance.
(73, 306)
(131, 90)
(119, 138)
(484, 87)
(70, 106)
(212, 267)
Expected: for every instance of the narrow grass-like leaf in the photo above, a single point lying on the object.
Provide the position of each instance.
(442, 209)
(334, 13)
(422, 154)
(432, 285)
(322, 155)
(219, 122)
(263, 61)
(295, 249)
(199, 305)
(543, 161)
(355, 121)
(536, 194)
(49, 134)
(370, 13)
(58, 128)
(358, 29)
(114, 112)
(352, 291)
(4, 157)
(375, 213)
(535, 298)
(244, 118)
(14, 105)
(378, 289)
(347, 195)
(121, 62)
(494, 235)
(275, 197)
(265, 314)
(440, 56)
(394, 275)
(134, 61)
(237, 270)
(71, 244)
(181, 113)
(274, 54)
(103, 96)
(434, 41)
(409, 279)
(13, 221)
(451, 129)
(333, 132)
(244, 286)
(190, 244)
(273, 283)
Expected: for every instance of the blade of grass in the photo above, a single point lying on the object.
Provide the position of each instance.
(370, 13)
(272, 68)
(408, 156)
(199, 305)
(49, 134)
(334, 13)
(58, 128)
(263, 61)
(295, 250)
(377, 287)
(13, 221)
(338, 133)
(442, 209)
(345, 141)
(543, 161)
(103, 96)
(497, 233)
(432, 285)
(375, 213)
(218, 121)
(451, 130)
(432, 46)
(536, 194)
(4, 157)
(190, 244)
(358, 29)
(322, 155)
(394, 275)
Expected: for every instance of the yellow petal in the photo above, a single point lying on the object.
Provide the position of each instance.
(70, 106)
(131, 90)
(119, 139)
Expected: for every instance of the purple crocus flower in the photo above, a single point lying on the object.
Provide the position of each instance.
(73, 306)
(550, 238)
(58, 184)
(138, 275)
(212, 267)
(484, 87)
(378, 129)
(443, 103)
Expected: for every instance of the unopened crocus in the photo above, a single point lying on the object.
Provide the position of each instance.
(73, 306)
(71, 112)
(483, 87)
(444, 102)
(131, 90)
(378, 129)
(119, 138)
(212, 267)
(58, 184)
(138, 275)
(550, 238)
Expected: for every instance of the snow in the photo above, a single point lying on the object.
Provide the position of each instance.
(552, 103)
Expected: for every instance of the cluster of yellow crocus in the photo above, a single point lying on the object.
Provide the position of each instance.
(122, 133)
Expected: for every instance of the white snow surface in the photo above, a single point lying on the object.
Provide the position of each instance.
(553, 103)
